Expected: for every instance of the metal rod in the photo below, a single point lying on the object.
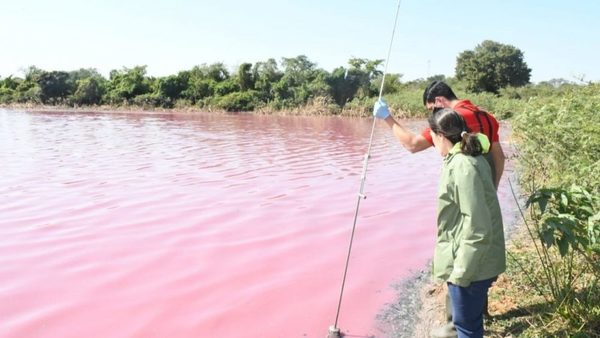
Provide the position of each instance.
(387, 60)
(334, 331)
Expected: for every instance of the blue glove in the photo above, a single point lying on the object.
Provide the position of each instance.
(380, 109)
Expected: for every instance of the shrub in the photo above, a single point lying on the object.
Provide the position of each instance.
(238, 101)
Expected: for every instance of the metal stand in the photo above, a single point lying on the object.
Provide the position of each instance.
(334, 332)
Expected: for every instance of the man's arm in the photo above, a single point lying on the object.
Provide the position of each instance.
(410, 141)
(498, 157)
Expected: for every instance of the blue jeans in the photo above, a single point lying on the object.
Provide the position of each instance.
(467, 307)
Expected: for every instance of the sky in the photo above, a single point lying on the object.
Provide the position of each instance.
(559, 39)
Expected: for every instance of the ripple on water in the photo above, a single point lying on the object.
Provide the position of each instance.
(133, 225)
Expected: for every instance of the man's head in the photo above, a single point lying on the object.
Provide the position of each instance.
(438, 95)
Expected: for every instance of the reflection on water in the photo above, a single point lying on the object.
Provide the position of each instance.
(167, 225)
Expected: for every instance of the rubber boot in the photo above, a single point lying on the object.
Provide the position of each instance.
(447, 330)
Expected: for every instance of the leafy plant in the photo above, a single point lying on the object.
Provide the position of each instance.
(558, 153)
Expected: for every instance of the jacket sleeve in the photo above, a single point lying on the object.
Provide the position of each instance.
(472, 238)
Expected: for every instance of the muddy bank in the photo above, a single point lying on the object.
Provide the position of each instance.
(417, 308)
(314, 108)
(309, 110)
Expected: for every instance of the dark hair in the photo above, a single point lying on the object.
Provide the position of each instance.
(435, 89)
(451, 125)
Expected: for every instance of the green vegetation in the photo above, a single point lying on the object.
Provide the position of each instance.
(492, 66)
(292, 84)
(264, 86)
(555, 264)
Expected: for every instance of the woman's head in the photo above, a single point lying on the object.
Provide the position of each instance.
(450, 125)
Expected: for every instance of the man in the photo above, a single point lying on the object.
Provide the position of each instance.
(438, 95)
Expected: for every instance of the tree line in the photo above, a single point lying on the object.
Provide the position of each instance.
(291, 83)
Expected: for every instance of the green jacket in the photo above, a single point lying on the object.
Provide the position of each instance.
(470, 236)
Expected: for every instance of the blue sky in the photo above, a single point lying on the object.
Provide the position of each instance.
(560, 39)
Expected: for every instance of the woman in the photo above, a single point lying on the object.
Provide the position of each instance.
(470, 252)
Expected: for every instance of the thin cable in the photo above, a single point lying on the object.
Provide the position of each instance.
(361, 194)
(389, 49)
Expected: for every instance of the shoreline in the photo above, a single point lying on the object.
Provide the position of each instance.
(309, 110)
(417, 308)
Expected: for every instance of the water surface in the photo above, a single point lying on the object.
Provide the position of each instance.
(175, 225)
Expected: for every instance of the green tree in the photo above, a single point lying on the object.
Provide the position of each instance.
(90, 86)
(10, 82)
(437, 77)
(89, 91)
(245, 78)
(344, 84)
(28, 92)
(198, 86)
(171, 86)
(365, 71)
(6, 95)
(238, 101)
(287, 91)
(265, 75)
(392, 83)
(296, 85)
(32, 74)
(127, 83)
(300, 66)
(198, 89)
(215, 71)
(55, 86)
(226, 87)
(492, 66)
(202, 82)
(84, 73)
(319, 86)
(362, 79)
(8, 88)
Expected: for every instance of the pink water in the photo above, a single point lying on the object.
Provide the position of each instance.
(167, 225)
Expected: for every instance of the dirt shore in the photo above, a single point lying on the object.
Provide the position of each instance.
(418, 309)
(308, 110)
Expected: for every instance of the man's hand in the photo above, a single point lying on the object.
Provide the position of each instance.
(380, 110)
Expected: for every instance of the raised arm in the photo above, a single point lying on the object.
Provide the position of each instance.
(409, 140)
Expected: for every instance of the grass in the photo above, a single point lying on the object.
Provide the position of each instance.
(519, 310)
(549, 290)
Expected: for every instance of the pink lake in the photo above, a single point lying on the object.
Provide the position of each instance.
(179, 225)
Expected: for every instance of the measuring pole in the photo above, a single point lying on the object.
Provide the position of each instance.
(334, 331)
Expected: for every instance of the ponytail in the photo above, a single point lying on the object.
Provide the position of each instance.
(452, 126)
(470, 144)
